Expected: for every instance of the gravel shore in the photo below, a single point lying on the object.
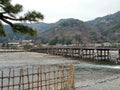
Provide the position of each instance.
(87, 76)
(111, 83)
(90, 80)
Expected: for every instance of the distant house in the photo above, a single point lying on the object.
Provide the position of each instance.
(98, 45)
(107, 44)
(13, 45)
(24, 42)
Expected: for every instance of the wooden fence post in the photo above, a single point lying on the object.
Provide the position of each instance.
(32, 77)
(28, 79)
(2, 77)
(9, 78)
(49, 78)
(62, 77)
(55, 78)
(71, 78)
(20, 80)
(45, 77)
(40, 78)
(13, 79)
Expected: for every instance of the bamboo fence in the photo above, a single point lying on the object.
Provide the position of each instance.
(38, 78)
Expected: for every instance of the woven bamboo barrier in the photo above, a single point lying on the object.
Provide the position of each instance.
(38, 78)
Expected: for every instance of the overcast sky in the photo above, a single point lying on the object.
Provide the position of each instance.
(85, 10)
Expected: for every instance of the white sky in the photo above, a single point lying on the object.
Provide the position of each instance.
(85, 10)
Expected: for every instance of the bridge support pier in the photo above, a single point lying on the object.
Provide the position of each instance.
(103, 54)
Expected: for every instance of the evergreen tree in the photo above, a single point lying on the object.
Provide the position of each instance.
(9, 13)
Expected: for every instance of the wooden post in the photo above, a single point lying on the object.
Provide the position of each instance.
(89, 54)
(81, 54)
(28, 79)
(119, 54)
(71, 78)
(49, 78)
(104, 54)
(2, 75)
(62, 78)
(45, 78)
(85, 53)
(97, 54)
(13, 79)
(9, 78)
(32, 77)
(19, 81)
(22, 79)
(56, 78)
(93, 54)
(38, 79)
(101, 54)
(108, 54)
(67, 74)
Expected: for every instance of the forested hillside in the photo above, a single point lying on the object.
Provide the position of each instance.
(67, 31)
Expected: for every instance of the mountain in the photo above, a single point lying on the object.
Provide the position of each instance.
(73, 29)
(14, 36)
(41, 27)
(101, 29)
(67, 31)
(108, 26)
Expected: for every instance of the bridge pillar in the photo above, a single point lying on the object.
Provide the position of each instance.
(103, 54)
(119, 54)
(87, 53)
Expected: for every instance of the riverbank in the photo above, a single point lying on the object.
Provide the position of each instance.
(97, 77)
(107, 83)
(88, 75)
(10, 50)
(12, 59)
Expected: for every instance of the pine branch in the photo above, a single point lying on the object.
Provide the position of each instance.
(8, 14)
(6, 21)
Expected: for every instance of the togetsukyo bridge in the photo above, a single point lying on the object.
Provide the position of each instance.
(93, 53)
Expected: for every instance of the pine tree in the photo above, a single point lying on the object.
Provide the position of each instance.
(9, 13)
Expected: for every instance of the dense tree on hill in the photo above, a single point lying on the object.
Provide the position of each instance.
(60, 40)
(9, 13)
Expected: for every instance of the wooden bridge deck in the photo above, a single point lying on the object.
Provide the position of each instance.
(102, 53)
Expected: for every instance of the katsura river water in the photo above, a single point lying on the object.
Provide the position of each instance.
(86, 73)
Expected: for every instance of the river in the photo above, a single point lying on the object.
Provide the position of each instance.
(87, 74)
